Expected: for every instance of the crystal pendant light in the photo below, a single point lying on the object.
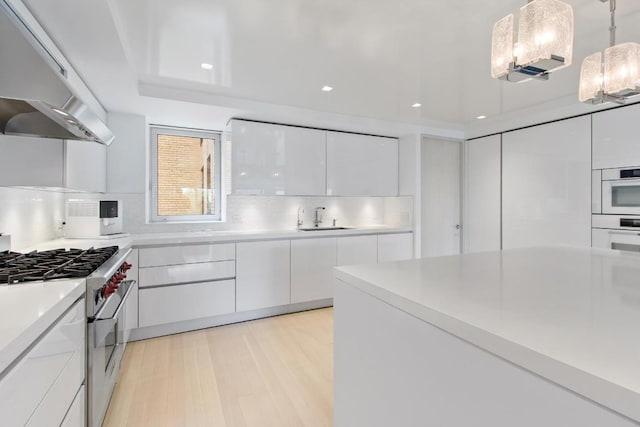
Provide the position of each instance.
(615, 79)
(544, 43)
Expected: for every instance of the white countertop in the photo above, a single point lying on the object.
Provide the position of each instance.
(27, 310)
(123, 242)
(151, 239)
(571, 315)
(190, 237)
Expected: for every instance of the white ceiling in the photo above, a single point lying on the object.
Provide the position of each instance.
(270, 59)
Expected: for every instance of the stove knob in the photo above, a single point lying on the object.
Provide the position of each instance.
(126, 266)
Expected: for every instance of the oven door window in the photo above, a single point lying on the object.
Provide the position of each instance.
(625, 196)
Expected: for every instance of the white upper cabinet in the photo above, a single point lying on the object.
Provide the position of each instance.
(86, 166)
(41, 162)
(33, 162)
(481, 207)
(361, 165)
(546, 185)
(616, 138)
(271, 159)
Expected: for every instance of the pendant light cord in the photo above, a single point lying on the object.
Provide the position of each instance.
(612, 28)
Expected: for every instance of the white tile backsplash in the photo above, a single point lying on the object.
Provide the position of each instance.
(274, 212)
(30, 216)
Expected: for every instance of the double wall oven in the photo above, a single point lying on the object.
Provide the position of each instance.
(616, 209)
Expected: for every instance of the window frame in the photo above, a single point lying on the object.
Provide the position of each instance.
(216, 136)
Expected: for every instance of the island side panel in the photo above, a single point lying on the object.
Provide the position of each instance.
(394, 369)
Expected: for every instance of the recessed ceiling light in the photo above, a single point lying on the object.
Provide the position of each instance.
(327, 88)
(481, 117)
(206, 66)
(416, 105)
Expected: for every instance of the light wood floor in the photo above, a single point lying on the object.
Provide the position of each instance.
(269, 372)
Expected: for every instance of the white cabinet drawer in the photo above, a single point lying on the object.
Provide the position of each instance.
(39, 389)
(185, 273)
(75, 416)
(170, 304)
(170, 255)
(59, 398)
(395, 247)
(357, 250)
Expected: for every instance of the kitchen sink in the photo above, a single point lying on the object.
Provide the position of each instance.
(324, 228)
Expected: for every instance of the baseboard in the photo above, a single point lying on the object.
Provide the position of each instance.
(225, 319)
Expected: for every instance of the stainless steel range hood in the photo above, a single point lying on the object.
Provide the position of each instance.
(34, 99)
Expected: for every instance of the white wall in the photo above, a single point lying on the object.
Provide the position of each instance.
(30, 216)
(273, 212)
(126, 164)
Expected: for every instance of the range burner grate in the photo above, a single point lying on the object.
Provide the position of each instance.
(16, 267)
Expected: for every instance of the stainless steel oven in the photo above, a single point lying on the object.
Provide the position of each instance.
(621, 191)
(107, 294)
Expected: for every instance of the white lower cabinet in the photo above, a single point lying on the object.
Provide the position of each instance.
(169, 304)
(262, 274)
(42, 385)
(76, 415)
(358, 250)
(184, 282)
(312, 262)
(395, 247)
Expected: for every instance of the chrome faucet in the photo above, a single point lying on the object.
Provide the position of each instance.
(300, 221)
(318, 219)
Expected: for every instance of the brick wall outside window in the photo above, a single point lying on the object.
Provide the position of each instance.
(180, 175)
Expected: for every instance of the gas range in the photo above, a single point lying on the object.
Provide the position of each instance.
(16, 267)
(104, 271)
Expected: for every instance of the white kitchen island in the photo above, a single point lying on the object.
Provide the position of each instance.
(522, 337)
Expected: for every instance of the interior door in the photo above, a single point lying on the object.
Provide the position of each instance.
(440, 215)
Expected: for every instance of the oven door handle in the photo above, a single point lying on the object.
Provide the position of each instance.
(106, 307)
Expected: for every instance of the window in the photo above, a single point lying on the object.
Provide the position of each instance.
(185, 175)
